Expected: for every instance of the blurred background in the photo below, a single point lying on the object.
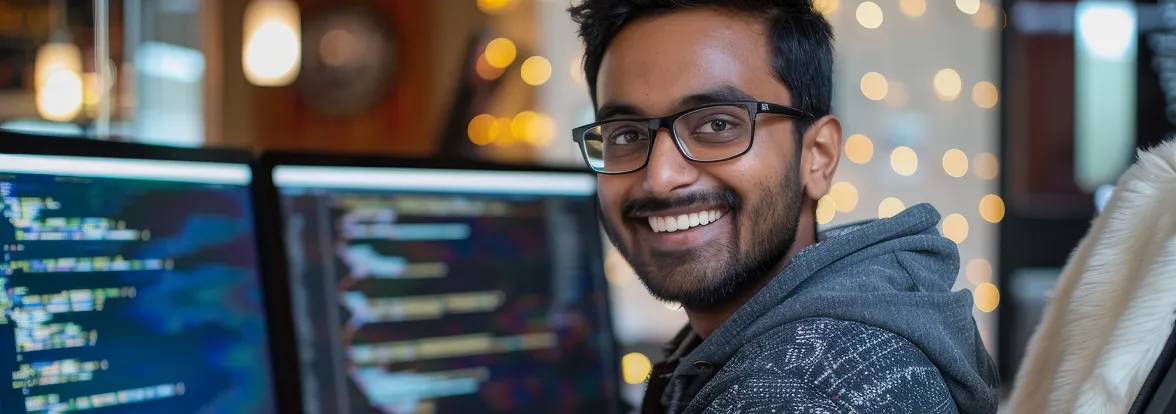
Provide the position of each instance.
(1013, 118)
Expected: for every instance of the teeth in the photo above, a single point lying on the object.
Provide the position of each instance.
(684, 221)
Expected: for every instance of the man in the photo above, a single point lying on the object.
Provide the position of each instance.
(713, 142)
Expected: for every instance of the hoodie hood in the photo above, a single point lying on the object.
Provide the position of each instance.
(895, 274)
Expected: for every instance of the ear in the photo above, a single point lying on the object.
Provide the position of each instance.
(822, 152)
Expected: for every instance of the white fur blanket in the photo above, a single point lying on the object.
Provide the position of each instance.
(1115, 303)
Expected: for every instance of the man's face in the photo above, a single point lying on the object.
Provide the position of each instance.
(664, 64)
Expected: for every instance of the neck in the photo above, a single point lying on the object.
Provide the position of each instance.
(704, 321)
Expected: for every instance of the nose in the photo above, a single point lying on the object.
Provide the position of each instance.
(667, 170)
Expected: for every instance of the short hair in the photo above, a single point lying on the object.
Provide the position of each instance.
(800, 39)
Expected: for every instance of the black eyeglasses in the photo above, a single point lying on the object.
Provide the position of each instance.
(709, 133)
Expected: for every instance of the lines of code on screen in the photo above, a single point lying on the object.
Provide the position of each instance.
(129, 296)
(440, 303)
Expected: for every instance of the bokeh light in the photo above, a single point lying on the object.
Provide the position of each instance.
(984, 95)
(869, 15)
(577, 71)
(500, 52)
(845, 196)
(968, 6)
(495, 6)
(992, 208)
(955, 227)
(904, 161)
(978, 272)
(985, 17)
(874, 86)
(826, 209)
(486, 70)
(890, 207)
(826, 6)
(536, 70)
(948, 84)
(986, 166)
(913, 8)
(635, 367)
(483, 129)
(987, 297)
(955, 163)
(859, 148)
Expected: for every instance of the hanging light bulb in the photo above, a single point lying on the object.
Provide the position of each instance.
(272, 52)
(57, 80)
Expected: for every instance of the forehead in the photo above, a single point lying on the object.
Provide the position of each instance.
(656, 60)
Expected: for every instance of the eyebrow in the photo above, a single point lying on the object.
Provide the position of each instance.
(725, 93)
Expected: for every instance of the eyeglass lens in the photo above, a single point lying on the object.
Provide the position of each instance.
(707, 134)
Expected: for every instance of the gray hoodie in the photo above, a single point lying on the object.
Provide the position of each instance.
(864, 320)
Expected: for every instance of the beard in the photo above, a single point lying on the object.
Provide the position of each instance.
(713, 274)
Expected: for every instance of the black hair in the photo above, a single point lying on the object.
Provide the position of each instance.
(800, 38)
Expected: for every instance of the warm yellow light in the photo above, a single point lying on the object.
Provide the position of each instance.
(57, 82)
(955, 163)
(272, 50)
(869, 15)
(535, 129)
(483, 129)
(890, 207)
(495, 6)
(913, 8)
(986, 166)
(518, 126)
(874, 86)
(486, 70)
(992, 208)
(948, 84)
(897, 95)
(955, 227)
(904, 161)
(978, 272)
(985, 17)
(826, 6)
(845, 196)
(500, 52)
(536, 70)
(968, 6)
(577, 71)
(826, 209)
(984, 94)
(635, 367)
(505, 137)
(859, 148)
(987, 297)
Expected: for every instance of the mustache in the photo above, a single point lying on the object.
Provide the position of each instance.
(649, 205)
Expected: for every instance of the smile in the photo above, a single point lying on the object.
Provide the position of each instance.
(670, 224)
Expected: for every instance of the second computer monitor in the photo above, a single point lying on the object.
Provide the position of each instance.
(418, 290)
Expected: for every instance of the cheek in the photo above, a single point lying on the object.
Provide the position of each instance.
(612, 191)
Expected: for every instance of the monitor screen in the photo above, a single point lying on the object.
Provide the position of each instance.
(130, 286)
(447, 291)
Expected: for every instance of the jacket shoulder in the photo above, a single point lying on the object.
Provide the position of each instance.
(827, 365)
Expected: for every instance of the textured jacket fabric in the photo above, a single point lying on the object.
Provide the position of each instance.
(863, 321)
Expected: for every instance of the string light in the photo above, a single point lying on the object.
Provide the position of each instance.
(984, 95)
(869, 15)
(947, 84)
(487, 71)
(826, 6)
(495, 6)
(904, 161)
(985, 17)
(859, 148)
(500, 52)
(968, 6)
(483, 129)
(992, 208)
(845, 196)
(874, 86)
(955, 163)
(890, 207)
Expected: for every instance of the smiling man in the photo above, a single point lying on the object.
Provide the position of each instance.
(713, 141)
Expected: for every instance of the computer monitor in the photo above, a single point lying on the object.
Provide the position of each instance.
(445, 288)
(130, 280)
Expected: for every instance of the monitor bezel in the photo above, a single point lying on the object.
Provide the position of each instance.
(284, 396)
(276, 250)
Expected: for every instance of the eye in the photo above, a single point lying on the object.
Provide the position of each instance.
(717, 125)
(624, 138)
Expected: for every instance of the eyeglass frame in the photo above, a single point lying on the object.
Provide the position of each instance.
(754, 108)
